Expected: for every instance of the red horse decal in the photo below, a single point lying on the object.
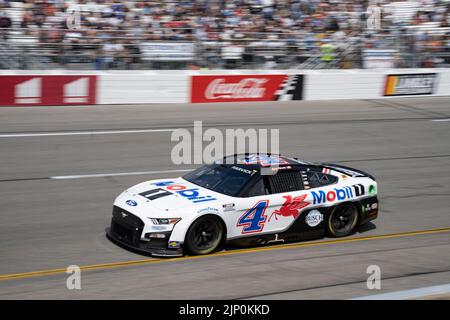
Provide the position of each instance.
(291, 207)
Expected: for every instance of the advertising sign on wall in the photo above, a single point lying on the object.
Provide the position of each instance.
(410, 84)
(246, 88)
(47, 90)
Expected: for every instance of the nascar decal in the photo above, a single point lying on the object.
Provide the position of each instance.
(291, 207)
(410, 84)
(340, 194)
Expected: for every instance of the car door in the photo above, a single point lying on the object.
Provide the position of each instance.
(274, 208)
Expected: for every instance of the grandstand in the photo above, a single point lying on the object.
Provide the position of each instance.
(52, 34)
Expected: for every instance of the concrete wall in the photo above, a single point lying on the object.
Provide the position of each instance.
(174, 86)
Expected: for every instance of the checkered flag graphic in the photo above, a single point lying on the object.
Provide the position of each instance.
(291, 88)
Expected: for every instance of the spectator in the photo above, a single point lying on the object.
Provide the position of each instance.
(328, 54)
(113, 52)
(5, 23)
(280, 27)
(232, 54)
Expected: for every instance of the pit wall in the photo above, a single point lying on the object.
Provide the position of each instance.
(30, 88)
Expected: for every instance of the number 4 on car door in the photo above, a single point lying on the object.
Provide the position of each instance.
(253, 219)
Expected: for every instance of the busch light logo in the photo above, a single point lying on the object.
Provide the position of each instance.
(131, 203)
(314, 218)
(338, 194)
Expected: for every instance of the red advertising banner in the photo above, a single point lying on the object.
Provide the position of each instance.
(44, 90)
(235, 88)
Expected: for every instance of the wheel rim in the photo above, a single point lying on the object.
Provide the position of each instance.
(343, 220)
(205, 235)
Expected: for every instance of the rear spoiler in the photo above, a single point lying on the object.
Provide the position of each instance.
(347, 170)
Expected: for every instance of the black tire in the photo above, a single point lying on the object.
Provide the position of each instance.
(204, 235)
(342, 220)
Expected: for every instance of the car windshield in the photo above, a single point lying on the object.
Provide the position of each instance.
(227, 180)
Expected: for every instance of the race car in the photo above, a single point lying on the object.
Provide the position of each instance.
(244, 200)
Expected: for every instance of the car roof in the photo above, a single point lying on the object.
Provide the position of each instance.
(259, 160)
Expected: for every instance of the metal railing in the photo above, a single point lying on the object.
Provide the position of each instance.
(185, 48)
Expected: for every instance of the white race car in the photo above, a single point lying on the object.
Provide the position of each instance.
(249, 199)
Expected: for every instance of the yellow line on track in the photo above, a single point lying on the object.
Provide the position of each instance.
(104, 266)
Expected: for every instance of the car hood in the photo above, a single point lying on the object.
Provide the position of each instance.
(162, 198)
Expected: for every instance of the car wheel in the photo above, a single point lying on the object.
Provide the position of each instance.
(342, 220)
(204, 235)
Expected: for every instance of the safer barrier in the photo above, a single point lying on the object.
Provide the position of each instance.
(23, 88)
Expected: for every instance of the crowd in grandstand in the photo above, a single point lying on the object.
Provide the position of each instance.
(229, 33)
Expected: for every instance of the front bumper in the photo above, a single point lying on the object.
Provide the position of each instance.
(143, 247)
(127, 233)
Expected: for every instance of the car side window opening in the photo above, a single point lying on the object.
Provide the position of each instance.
(286, 181)
(319, 179)
(258, 189)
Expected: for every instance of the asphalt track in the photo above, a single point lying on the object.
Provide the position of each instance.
(48, 224)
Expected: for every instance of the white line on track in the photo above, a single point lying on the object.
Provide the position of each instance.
(101, 175)
(81, 133)
(409, 294)
(441, 120)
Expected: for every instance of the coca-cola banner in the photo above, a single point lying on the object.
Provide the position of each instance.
(236, 88)
(47, 90)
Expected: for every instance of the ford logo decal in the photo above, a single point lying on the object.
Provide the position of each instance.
(131, 203)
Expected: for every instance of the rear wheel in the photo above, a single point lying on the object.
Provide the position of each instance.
(204, 235)
(342, 220)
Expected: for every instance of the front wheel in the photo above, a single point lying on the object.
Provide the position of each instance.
(204, 235)
(342, 220)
